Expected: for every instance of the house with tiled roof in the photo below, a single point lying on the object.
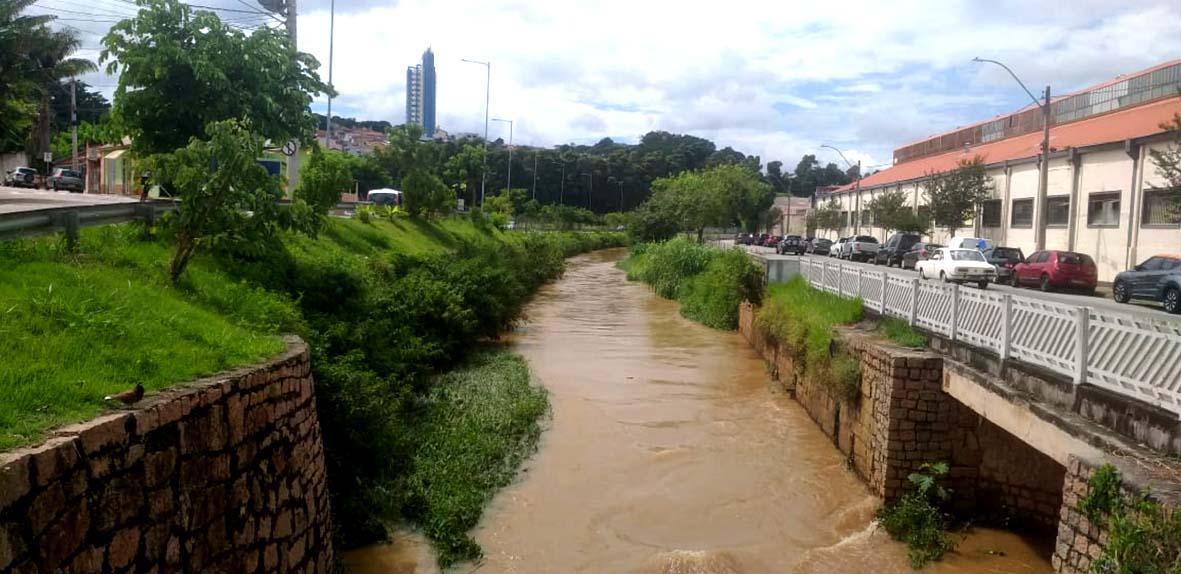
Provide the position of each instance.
(1104, 196)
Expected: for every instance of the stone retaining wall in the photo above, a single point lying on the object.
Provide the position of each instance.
(225, 474)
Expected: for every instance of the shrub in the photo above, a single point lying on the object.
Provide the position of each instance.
(667, 265)
(714, 296)
(917, 519)
(902, 333)
(1143, 536)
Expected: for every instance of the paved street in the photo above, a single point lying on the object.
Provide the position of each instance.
(13, 200)
(1101, 300)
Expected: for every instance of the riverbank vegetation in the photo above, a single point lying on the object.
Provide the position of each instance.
(709, 283)
(1143, 536)
(918, 519)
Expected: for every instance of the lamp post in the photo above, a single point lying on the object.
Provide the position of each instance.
(856, 189)
(1044, 171)
(487, 101)
(331, 43)
(510, 150)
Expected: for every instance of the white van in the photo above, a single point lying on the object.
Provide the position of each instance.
(977, 243)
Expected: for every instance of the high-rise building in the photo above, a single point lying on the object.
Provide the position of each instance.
(420, 94)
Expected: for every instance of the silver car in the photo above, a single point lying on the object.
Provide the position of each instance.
(66, 179)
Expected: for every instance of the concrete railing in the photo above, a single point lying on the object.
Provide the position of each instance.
(1122, 352)
(69, 219)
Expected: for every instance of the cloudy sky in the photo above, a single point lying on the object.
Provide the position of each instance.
(772, 78)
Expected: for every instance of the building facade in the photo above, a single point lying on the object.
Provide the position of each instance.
(1104, 195)
(420, 94)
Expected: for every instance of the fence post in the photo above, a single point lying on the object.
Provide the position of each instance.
(860, 272)
(824, 275)
(914, 302)
(1082, 321)
(955, 311)
(882, 294)
(1006, 324)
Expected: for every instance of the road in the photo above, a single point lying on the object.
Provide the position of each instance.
(14, 200)
(1102, 300)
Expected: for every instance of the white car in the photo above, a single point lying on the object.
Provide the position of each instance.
(957, 266)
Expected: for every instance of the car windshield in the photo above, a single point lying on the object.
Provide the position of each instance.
(966, 255)
(865, 239)
(1006, 253)
(70, 173)
(825, 242)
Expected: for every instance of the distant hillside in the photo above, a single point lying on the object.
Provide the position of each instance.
(377, 125)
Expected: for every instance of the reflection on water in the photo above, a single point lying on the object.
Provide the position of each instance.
(670, 452)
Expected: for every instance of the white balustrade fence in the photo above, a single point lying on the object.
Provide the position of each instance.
(1121, 352)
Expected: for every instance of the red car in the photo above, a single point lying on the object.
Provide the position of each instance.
(1057, 270)
(771, 241)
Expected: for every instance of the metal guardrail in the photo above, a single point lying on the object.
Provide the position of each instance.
(1124, 353)
(70, 219)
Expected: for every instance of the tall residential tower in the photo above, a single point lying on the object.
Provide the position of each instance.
(420, 94)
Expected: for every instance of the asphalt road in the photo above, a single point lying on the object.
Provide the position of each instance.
(13, 200)
(1101, 300)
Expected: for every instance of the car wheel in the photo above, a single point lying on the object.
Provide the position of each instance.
(1045, 283)
(982, 284)
(922, 274)
(1120, 292)
(1172, 300)
(943, 277)
(1014, 281)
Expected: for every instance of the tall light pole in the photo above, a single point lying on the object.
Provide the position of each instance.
(510, 150)
(487, 101)
(1039, 226)
(856, 190)
(331, 44)
(535, 154)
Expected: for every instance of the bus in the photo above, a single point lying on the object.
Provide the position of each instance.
(385, 197)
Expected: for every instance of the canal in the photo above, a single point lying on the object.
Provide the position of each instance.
(671, 451)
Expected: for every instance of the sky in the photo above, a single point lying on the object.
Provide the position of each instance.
(770, 78)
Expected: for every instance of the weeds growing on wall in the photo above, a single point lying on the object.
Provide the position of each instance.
(1144, 537)
(901, 332)
(917, 517)
(709, 283)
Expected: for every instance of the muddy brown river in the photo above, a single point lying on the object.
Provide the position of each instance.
(670, 451)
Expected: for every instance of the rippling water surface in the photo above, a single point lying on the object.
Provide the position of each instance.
(671, 452)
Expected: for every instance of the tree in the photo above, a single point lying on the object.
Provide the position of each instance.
(20, 36)
(770, 218)
(323, 179)
(181, 69)
(826, 217)
(226, 196)
(953, 197)
(425, 194)
(891, 212)
(52, 64)
(1168, 166)
(744, 196)
(462, 172)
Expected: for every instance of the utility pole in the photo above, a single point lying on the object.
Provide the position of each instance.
(1044, 175)
(535, 154)
(74, 121)
(487, 103)
(510, 150)
(562, 187)
(621, 196)
(293, 160)
(331, 44)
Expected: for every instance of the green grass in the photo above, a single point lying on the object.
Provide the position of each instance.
(482, 422)
(803, 318)
(901, 332)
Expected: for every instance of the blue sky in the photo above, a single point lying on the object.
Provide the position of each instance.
(776, 79)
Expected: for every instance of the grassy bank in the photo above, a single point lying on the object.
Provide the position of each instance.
(709, 283)
(481, 422)
(386, 306)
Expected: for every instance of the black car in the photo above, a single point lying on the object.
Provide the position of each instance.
(918, 251)
(789, 244)
(1157, 279)
(1005, 259)
(745, 239)
(819, 246)
(894, 248)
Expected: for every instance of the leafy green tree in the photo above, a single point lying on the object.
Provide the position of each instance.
(325, 176)
(425, 194)
(1168, 165)
(20, 36)
(891, 212)
(462, 171)
(743, 195)
(227, 198)
(826, 217)
(180, 69)
(53, 63)
(954, 196)
(368, 173)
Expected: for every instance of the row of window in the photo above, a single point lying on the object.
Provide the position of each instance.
(1161, 207)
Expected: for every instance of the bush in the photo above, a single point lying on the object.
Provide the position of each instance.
(714, 296)
(901, 333)
(1143, 536)
(802, 319)
(917, 518)
(665, 266)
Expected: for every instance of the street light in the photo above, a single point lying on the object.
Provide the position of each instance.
(856, 189)
(487, 100)
(1044, 172)
(510, 150)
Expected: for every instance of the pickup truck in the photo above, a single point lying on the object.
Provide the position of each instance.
(859, 248)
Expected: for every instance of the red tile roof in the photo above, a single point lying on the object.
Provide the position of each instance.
(1117, 126)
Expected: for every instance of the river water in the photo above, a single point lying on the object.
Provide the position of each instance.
(671, 452)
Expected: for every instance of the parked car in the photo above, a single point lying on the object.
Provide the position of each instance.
(771, 241)
(860, 247)
(789, 244)
(66, 179)
(21, 177)
(894, 248)
(957, 266)
(1157, 279)
(745, 239)
(1057, 270)
(918, 252)
(819, 246)
(977, 243)
(1004, 259)
(835, 250)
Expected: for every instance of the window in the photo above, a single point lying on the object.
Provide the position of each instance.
(990, 213)
(1022, 215)
(1038, 257)
(1162, 207)
(1057, 210)
(1153, 264)
(844, 218)
(966, 255)
(867, 218)
(1103, 209)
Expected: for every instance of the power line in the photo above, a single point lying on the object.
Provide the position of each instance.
(96, 14)
(108, 10)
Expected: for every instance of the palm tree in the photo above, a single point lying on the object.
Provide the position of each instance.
(19, 35)
(52, 64)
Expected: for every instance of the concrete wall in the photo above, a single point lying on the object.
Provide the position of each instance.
(225, 474)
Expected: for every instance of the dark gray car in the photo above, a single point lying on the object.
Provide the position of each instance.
(66, 179)
(1157, 279)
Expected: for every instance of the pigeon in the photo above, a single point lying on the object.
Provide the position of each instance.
(127, 397)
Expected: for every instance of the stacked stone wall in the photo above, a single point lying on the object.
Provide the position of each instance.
(224, 474)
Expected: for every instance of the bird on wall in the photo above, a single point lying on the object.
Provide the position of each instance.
(127, 397)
